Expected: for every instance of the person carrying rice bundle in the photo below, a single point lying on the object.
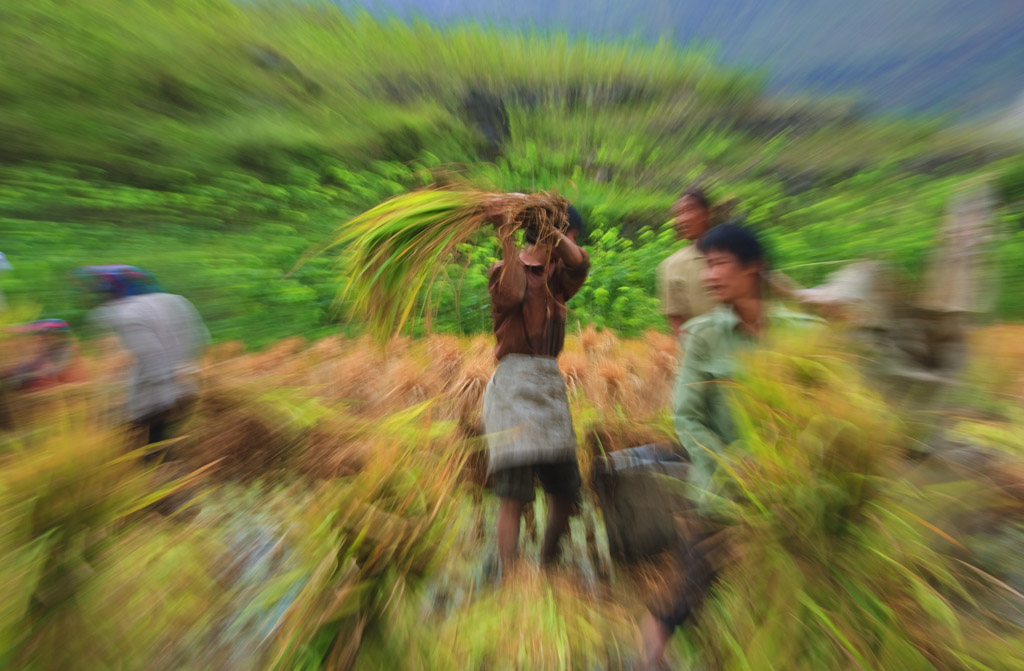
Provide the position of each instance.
(392, 254)
(736, 276)
(526, 410)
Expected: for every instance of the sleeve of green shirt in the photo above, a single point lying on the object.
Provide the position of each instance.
(692, 414)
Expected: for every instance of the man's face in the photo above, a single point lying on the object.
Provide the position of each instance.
(691, 218)
(728, 280)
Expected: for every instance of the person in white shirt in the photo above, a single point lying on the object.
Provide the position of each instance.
(165, 334)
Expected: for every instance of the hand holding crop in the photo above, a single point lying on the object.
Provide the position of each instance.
(497, 211)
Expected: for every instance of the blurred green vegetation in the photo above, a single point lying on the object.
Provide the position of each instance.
(216, 143)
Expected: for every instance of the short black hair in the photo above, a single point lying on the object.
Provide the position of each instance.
(699, 195)
(735, 239)
(575, 224)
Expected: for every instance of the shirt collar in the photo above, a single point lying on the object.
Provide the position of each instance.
(530, 263)
(726, 313)
(727, 316)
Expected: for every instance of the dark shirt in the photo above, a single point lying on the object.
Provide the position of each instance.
(530, 318)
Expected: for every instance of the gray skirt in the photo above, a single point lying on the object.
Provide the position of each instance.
(526, 414)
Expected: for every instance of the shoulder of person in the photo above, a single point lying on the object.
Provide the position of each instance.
(675, 257)
(782, 280)
(158, 299)
(705, 324)
(120, 315)
(100, 316)
(667, 261)
(185, 303)
(794, 318)
(690, 253)
(699, 335)
(162, 305)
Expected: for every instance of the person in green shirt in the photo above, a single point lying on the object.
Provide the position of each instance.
(736, 276)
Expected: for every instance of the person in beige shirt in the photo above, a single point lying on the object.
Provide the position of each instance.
(680, 286)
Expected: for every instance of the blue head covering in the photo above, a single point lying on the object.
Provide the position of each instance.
(118, 281)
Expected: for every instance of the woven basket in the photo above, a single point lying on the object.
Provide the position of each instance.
(639, 509)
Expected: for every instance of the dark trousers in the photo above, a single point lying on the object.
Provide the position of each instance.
(699, 556)
(158, 427)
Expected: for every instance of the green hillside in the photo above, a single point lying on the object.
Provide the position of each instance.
(215, 143)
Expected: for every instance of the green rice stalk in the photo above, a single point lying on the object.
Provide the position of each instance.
(369, 537)
(839, 564)
(90, 581)
(393, 252)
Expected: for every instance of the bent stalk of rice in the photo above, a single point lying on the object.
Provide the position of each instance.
(393, 252)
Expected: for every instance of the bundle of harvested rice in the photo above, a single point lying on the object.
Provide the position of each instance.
(835, 566)
(393, 251)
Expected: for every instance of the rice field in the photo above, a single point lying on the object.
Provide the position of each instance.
(331, 512)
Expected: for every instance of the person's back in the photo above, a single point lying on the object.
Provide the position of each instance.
(165, 333)
(911, 350)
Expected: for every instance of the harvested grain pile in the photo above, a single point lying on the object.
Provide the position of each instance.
(834, 567)
(251, 429)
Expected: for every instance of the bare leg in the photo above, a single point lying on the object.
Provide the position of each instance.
(558, 522)
(656, 636)
(509, 514)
